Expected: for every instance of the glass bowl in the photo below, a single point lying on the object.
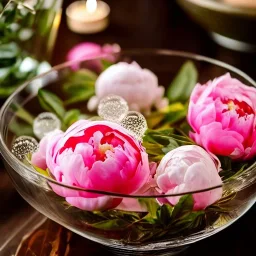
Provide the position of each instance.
(145, 227)
(228, 24)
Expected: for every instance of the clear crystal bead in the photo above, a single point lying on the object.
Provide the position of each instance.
(113, 108)
(135, 123)
(44, 123)
(24, 145)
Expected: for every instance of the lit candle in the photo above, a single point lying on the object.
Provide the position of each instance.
(87, 17)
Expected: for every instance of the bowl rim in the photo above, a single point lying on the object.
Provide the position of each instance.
(15, 163)
(224, 7)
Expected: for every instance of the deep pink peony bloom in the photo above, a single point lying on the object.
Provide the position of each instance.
(186, 169)
(96, 155)
(89, 50)
(222, 115)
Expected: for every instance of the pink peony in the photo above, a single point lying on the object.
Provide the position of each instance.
(222, 115)
(186, 169)
(139, 87)
(88, 51)
(97, 155)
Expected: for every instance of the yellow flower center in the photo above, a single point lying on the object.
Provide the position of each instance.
(103, 148)
(231, 105)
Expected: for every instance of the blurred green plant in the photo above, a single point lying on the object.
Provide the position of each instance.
(22, 24)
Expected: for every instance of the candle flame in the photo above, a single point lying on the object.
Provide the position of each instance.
(91, 6)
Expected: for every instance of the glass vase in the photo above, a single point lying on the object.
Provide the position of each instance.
(28, 30)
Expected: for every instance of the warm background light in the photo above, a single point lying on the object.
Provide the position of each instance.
(245, 3)
(87, 17)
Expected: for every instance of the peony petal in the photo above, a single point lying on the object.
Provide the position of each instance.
(94, 204)
(187, 169)
(131, 204)
(121, 79)
(221, 142)
(234, 107)
(73, 168)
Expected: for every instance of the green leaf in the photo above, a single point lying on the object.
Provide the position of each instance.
(233, 172)
(154, 149)
(226, 163)
(187, 223)
(71, 116)
(20, 129)
(8, 53)
(22, 113)
(164, 214)
(4, 72)
(51, 102)
(82, 76)
(158, 142)
(183, 84)
(172, 145)
(5, 92)
(159, 136)
(41, 171)
(114, 224)
(175, 115)
(169, 115)
(45, 20)
(80, 97)
(75, 88)
(230, 169)
(165, 137)
(114, 214)
(106, 64)
(184, 205)
(80, 86)
(155, 118)
(152, 206)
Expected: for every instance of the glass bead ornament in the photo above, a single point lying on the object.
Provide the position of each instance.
(113, 108)
(24, 145)
(135, 123)
(44, 123)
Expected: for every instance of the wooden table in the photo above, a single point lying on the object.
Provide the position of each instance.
(134, 24)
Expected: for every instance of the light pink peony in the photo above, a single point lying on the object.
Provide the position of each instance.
(89, 50)
(222, 115)
(186, 169)
(139, 87)
(97, 155)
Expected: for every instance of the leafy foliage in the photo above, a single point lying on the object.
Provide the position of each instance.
(183, 84)
(71, 116)
(19, 24)
(21, 129)
(11, 73)
(79, 86)
(160, 142)
(231, 169)
(158, 222)
(51, 102)
(106, 64)
(169, 115)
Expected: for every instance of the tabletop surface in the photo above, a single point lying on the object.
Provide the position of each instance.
(135, 24)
